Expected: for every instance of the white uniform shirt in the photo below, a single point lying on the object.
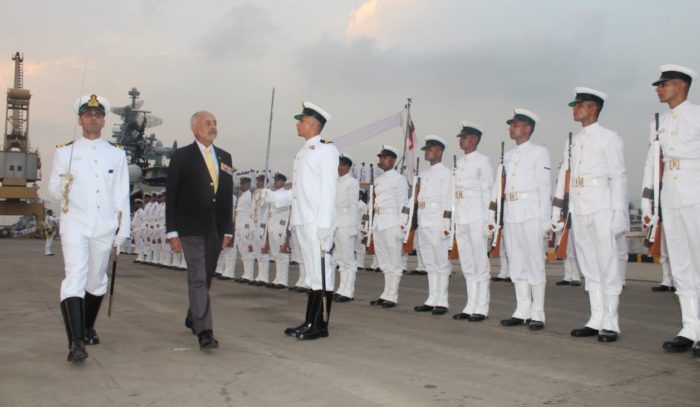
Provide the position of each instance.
(434, 197)
(598, 179)
(391, 195)
(473, 183)
(346, 200)
(100, 188)
(679, 136)
(528, 186)
(314, 183)
(244, 211)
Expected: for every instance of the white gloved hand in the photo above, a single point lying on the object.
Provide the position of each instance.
(619, 225)
(323, 235)
(557, 226)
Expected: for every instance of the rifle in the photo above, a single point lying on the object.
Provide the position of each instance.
(454, 251)
(500, 201)
(653, 237)
(370, 241)
(565, 214)
(410, 210)
(113, 279)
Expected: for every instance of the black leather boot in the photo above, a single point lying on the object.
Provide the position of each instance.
(678, 344)
(294, 331)
(73, 312)
(92, 308)
(319, 327)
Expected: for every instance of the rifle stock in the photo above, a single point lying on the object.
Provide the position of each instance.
(500, 201)
(565, 216)
(653, 237)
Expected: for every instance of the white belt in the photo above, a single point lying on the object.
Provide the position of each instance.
(679, 164)
(386, 211)
(581, 182)
(429, 205)
(465, 193)
(522, 196)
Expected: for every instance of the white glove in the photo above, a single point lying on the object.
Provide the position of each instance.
(557, 226)
(324, 235)
(546, 228)
(646, 212)
(619, 225)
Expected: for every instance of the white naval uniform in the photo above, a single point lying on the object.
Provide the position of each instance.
(50, 228)
(391, 195)
(227, 259)
(136, 227)
(598, 205)
(313, 207)
(99, 192)
(346, 204)
(433, 201)
(472, 194)
(679, 136)
(244, 233)
(261, 217)
(527, 213)
(572, 272)
(280, 205)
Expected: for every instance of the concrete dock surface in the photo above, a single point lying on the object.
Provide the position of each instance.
(373, 357)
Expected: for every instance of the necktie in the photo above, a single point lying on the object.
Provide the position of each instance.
(211, 168)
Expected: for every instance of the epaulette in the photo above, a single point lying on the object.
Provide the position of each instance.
(116, 145)
(326, 141)
(64, 145)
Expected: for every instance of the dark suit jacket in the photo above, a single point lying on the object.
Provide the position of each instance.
(191, 207)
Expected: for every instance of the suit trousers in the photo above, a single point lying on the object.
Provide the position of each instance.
(201, 254)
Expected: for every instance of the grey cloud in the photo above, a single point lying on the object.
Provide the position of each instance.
(244, 32)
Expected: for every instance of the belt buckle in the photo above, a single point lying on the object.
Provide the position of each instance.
(512, 196)
(421, 205)
(674, 164)
(578, 182)
(459, 195)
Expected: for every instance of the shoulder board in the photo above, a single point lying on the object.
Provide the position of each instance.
(64, 145)
(116, 145)
(326, 141)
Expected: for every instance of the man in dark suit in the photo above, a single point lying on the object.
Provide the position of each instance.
(198, 222)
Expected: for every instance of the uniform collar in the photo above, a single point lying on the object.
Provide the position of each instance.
(680, 107)
(90, 142)
(313, 140)
(524, 146)
(591, 127)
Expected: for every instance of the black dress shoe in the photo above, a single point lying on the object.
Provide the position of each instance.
(421, 272)
(218, 274)
(269, 285)
(342, 298)
(461, 315)
(607, 336)
(388, 304)
(77, 352)
(206, 340)
(243, 280)
(302, 290)
(190, 326)
(378, 301)
(498, 279)
(377, 270)
(660, 288)
(439, 310)
(292, 288)
(678, 344)
(278, 286)
(576, 283)
(536, 325)
(508, 280)
(224, 278)
(514, 322)
(423, 308)
(584, 332)
(696, 350)
(477, 318)
(563, 282)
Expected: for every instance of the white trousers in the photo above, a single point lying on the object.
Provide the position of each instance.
(503, 259)
(85, 260)
(473, 256)
(48, 244)
(572, 272)
(434, 247)
(344, 255)
(682, 230)
(525, 251)
(277, 238)
(597, 252)
(310, 250)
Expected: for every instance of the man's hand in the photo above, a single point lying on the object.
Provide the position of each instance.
(226, 243)
(175, 244)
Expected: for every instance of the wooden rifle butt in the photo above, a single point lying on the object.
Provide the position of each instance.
(454, 251)
(560, 251)
(655, 247)
(496, 249)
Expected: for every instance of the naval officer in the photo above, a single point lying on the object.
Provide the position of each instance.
(345, 236)
(527, 214)
(434, 205)
(472, 194)
(598, 206)
(313, 217)
(91, 179)
(679, 137)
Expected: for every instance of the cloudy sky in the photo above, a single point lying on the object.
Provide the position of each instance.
(360, 60)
